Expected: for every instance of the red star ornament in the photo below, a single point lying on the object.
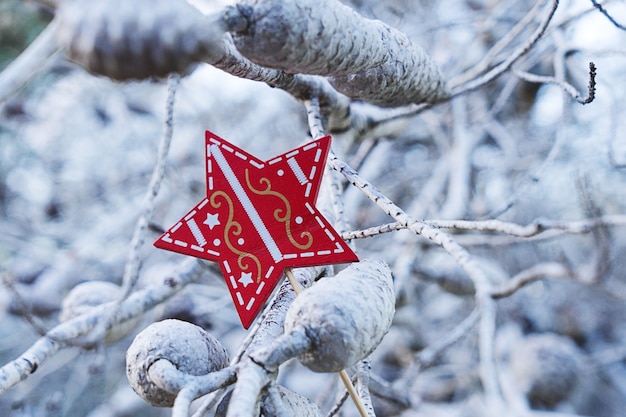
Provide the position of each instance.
(258, 218)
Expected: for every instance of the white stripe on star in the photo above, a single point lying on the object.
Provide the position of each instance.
(252, 213)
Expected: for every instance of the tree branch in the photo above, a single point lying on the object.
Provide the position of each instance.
(607, 15)
(568, 88)
(500, 69)
(63, 334)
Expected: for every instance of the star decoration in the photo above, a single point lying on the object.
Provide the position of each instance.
(211, 220)
(246, 278)
(258, 218)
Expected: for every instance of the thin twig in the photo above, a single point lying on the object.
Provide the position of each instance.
(428, 356)
(568, 88)
(459, 85)
(362, 377)
(498, 46)
(485, 304)
(373, 231)
(535, 228)
(131, 270)
(607, 15)
(421, 228)
(316, 126)
(65, 333)
(530, 275)
(337, 407)
(31, 60)
(508, 63)
(9, 283)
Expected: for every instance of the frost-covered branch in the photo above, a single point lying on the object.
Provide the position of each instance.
(373, 231)
(461, 256)
(495, 72)
(329, 327)
(379, 64)
(499, 46)
(535, 228)
(568, 88)
(38, 53)
(539, 228)
(364, 59)
(131, 269)
(362, 377)
(446, 242)
(65, 333)
(607, 15)
(528, 276)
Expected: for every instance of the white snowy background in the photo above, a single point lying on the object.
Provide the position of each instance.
(77, 152)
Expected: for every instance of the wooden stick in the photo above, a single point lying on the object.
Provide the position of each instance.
(292, 280)
(345, 378)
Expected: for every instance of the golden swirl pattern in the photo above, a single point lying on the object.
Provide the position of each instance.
(231, 224)
(282, 215)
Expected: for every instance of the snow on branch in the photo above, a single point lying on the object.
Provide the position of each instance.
(378, 64)
(38, 53)
(607, 15)
(462, 87)
(538, 228)
(66, 333)
(330, 326)
(528, 276)
(568, 88)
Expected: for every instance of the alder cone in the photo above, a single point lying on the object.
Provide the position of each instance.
(111, 38)
(364, 59)
(188, 347)
(295, 404)
(88, 295)
(345, 317)
(547, 367)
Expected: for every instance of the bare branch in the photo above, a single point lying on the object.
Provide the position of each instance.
(420, 228)
(607, 15)
(499, 46)
(199, 386)
(530, 275)
(340, 402)
(532, 229)
(460, 255)
(362, 377)
(63, 334)
(568, 88)
(131, 270)
(9, 284)
(38, 53)
(376, 63)
(508, 63)
(373, 231)
(427, 356)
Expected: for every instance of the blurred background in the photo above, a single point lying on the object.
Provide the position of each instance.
(77, 152)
